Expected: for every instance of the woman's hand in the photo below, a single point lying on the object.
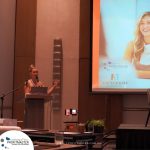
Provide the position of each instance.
(56, 82)
(54, 85)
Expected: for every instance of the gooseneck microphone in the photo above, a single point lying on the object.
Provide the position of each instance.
(37, 78)
(26, 83)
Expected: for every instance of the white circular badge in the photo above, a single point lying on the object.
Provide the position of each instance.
(15, 140)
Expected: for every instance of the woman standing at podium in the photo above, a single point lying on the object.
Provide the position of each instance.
(35, 82)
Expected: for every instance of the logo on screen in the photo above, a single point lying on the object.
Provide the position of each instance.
(114, 77)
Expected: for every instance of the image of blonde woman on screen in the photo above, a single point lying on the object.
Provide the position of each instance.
(138, 51)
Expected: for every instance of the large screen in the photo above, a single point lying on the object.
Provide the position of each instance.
(120, 45)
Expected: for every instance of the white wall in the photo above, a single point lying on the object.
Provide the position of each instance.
(7, 30)
(59, 19)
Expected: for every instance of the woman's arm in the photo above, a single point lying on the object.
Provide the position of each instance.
(142, 71)
(139, 66)
(27, 88)
(53, 86)
(143, 74)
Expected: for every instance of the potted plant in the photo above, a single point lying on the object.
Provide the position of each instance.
(95, 125)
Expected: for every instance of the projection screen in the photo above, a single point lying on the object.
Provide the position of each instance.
(120, 45)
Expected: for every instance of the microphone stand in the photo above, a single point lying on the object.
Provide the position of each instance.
(2, 99)
(148, 96)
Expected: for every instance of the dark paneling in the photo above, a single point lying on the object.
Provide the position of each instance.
(106, 106)
(84, 51)
(99, 106)
(24, 51)
(25, 28)
(113, 108)
(90, 106)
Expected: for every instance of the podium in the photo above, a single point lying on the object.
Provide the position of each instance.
(37, 111)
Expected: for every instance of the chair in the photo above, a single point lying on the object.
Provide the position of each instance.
(109, 140)
(106, 142)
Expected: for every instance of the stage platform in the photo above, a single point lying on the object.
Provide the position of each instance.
(133, 136)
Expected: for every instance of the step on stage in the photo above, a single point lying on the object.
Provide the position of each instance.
(133, 136)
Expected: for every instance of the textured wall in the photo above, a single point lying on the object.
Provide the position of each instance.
(59, 19)
(7, 30)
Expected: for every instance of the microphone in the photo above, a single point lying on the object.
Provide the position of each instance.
(37, 78)
(26, 82)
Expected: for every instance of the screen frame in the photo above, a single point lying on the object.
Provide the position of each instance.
(103, 90)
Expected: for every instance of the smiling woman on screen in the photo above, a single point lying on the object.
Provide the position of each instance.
(138, 51)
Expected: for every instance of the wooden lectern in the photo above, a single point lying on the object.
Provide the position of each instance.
(37, 114)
